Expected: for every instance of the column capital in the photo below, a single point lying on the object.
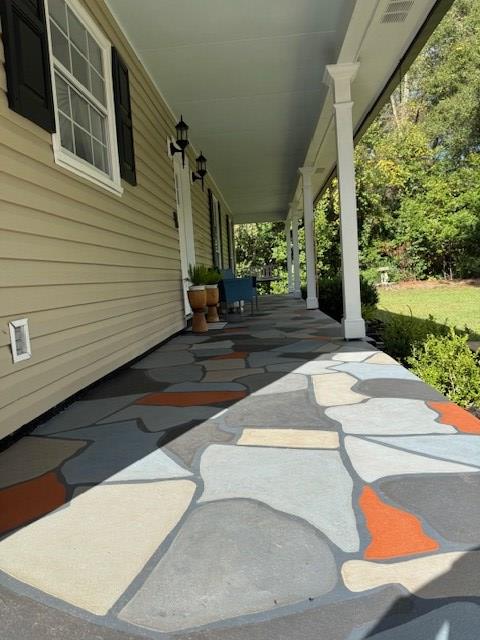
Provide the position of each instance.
(341, 76)
(306, 173)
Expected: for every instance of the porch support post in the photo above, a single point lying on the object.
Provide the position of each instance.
(312, 300)
(289, 255)
(297, 293)
(342, 76)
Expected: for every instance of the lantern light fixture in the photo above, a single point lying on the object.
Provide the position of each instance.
(182, 139)
(201, 170)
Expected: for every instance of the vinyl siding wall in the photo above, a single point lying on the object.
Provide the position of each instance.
(97, 275)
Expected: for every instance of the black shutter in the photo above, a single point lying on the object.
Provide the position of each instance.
(27, 62)
(220, 234)
(229, 242)
(123, 117)
(212, 227)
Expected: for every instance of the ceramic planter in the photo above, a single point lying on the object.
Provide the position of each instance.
(197, 296)
(213, 297)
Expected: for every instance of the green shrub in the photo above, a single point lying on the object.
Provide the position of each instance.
(401, 334)
(213, 276)
(330, 296)
(198, 274)
(448, 364)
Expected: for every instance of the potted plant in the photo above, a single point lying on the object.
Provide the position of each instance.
(197, 296)
(213, 278)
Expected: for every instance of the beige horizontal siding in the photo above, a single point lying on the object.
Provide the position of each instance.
(97, 275)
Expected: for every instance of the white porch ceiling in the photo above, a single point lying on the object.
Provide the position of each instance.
(247, 75)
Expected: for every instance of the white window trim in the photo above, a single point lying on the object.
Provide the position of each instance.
(16, 324)
(65, 158)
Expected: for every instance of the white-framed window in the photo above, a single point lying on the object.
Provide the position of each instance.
(80, 55)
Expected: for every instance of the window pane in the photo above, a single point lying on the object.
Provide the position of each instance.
(78, 33)
(98, 125)
(80, 68)
(60, 46)
(100, 156)
(83, 144)
(66, 133)
(80, 110)
(98, 87)
(63, 101)
(95, 55)
(58, 12)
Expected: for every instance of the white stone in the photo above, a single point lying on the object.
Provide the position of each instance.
(313, 485)
(291, 438)
(336, 389)
(88, 552)
(389, 416)
(373, 461)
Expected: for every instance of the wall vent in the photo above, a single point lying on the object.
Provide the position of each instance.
(20, 340)
(397, 11)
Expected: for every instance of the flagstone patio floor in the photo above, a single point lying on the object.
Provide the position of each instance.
(264, 481)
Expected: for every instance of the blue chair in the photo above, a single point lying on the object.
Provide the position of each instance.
(229, 275)
(236, 289)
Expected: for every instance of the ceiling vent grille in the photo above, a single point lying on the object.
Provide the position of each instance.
(397, 11)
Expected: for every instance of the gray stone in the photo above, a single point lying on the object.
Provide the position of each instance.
(382, 388)
(366, 371)
(190, 338)
(205, 386)
(236, 558)
(208, 346)
(293, 409)
(283, 384)
(186, 445)
(84, 413)
(334, 621)
(113, 448)
(32, 457)
(302, 346)
(310, 484)
(181, 373)
(126, 382)
(456, 621)
(209, 353)
(451, 505)
(159, 418)
(162, 359)
(259, 381)
(262, 358)
(23, 618)
(286, 366)
(457, 448)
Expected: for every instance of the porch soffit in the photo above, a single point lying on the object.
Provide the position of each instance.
(248, 77)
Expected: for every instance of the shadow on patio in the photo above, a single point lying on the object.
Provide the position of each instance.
(251, 475)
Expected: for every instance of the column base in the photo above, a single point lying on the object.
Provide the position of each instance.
(353, 329)
(312, 303)
(297, 294)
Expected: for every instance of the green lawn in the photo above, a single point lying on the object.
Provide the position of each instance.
(458, 304)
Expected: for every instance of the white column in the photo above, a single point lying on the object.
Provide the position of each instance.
(288, 238)
(342, 76)
(297, 293)
(312, 300)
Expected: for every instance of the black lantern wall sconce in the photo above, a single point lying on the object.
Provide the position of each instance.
(182, 140)
(201, 170)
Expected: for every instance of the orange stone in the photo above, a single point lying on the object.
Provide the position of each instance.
(22, 503)
(395, 533)
(452, 414)
(190, 398)
(236, 355)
